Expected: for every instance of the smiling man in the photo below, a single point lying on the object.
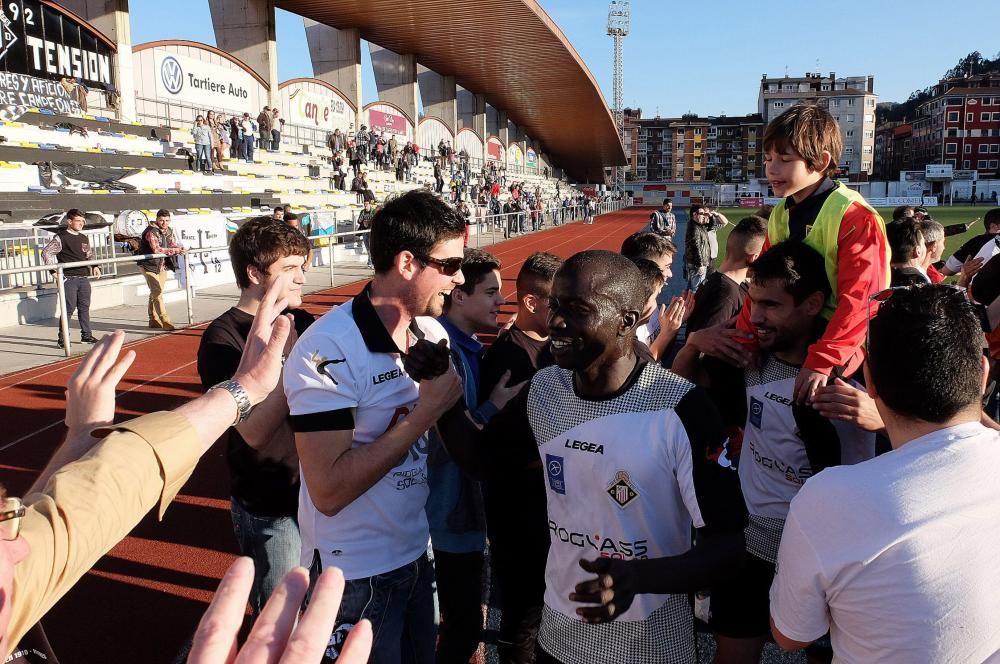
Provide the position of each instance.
(627, 451)
(361, 423)
(263, 466)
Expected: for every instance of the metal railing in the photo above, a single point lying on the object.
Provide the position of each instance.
(24, 251)
(60, 268)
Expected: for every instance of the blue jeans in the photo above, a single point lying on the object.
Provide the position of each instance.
(273, 543)
(400, 606)
(696, 275)
(78, 299)
(247, 152)
(203, 157)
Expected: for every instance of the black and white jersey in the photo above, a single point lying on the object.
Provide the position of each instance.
(627, 477)
(773, 461)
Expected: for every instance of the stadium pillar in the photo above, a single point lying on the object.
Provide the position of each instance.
(111, 18)
(246, 29)
(336, 58)
(471, 112)
(503, 128)
(439, 96)
(396, 79)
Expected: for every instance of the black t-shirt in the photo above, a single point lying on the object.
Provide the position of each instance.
(33, 648)
(264, 487)
(514, 351)
(972, 247)
(907, 276)
(719, 299)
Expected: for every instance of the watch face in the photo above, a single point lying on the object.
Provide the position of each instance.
(131, 222)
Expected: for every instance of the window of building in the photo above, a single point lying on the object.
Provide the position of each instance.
(982, 163)
(869, 118)
(984, 117)
(866, 149)
(850, 117)
(968, 148)
(848, 149)
(995, 147)
(983, 148)
(952, 116)
(825, 87)
(697, 160)
(779, 104)
(870, 101)
(866, 166)
(680, 145)
(697, 132)
(850, 101)
(950, 148)
(950, 162)
(953, 101)
(869, 133)
(849, 133)
(834, 102)
(993, 163)
(965, 163)
(996, 116)
(970, 117)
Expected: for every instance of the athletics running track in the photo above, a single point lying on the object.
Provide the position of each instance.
(142, 601)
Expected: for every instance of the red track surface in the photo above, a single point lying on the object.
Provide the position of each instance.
(142, 601)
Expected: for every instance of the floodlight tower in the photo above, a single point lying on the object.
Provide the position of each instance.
(619, 19)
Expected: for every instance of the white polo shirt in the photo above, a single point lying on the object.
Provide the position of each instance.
(346, 373)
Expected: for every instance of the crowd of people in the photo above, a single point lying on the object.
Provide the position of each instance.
(623, 484)
(218, 138)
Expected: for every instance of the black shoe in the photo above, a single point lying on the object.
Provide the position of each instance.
(88, 339)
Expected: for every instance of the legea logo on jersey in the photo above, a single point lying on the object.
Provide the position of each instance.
(172, 75)
(756, 412)
(556, 472)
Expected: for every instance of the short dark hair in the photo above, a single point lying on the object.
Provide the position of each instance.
(291, 216)
(622, 281)
(925, 349)
(798, 266)
(904, 237)
(693, 209)
(262, 241)
(747, 236)
(279, 207)
(807, 130)
(73, 212)
(476, 264)
(899, 212)
(652, 275)
(647, 245)
(991, 218)
(667, 200)
(162, 213)
(539, 268)
(416, 222)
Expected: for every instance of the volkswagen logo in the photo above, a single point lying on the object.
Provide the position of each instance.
(172, 75)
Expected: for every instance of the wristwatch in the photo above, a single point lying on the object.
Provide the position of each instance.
(243, 405)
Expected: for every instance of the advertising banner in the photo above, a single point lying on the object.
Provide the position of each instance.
(516, 156)
(40, 40)
(532, 159)
(387, 122)
(751, 201)
(202, 84)
(494, 151)
(327, 112)
(27, 91)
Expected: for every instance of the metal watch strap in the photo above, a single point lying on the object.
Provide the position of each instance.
(243, 404)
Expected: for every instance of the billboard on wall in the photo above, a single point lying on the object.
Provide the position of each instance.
(321, 111)
(516, 156)
(387, 122)
(532, 159)
(203, 84)
(494, 151)
(40, 40)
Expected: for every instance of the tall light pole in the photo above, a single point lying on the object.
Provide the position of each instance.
(619, 19)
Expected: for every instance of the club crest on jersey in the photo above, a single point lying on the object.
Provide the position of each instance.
(556, 472)
(756, 412)
(321, 363)
(621, 490)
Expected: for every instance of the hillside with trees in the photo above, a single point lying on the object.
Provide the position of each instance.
(972, 64)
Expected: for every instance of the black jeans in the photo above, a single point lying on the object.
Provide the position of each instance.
(460, 596)
(78, 299)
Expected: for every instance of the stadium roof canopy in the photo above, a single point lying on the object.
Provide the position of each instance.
(509, 50)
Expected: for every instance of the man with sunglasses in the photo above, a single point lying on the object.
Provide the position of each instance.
(361, 423)
(896, 556)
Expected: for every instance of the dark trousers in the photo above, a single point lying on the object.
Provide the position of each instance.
(460, 596)
(78, 299)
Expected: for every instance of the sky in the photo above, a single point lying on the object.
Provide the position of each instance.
(697, 57)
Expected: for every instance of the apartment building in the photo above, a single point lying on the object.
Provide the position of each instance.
(893, 150)
(851, 100)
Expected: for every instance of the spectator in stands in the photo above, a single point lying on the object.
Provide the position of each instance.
(438, 179)
(94, 491)
(218, 154)
(933, 233)
(296, 222)
(515, 500)
(277, 124)
(225, 143)
(260, 452)
(335, 142)
(157, 239)
(908, 252)
(235, 139)
(721, 296)
(248, 133)
(70, 245)
(278, 214)
(882, 554)
(264, 127)
(202, 136)
(363, 448)
(339, 164)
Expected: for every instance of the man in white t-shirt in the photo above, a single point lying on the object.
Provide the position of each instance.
(361, 424)
(896, 556)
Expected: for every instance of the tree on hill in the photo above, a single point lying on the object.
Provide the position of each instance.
(973, 63)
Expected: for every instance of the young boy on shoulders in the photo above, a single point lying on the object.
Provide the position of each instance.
(802, 148)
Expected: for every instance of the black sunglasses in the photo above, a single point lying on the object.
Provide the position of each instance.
(448, 266)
